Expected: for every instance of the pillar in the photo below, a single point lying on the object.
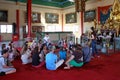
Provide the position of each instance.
(29, 5)
(17, 22)
(15, 36)
(62, 22)
(81, 22)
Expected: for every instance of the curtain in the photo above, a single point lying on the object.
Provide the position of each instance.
(103, 13)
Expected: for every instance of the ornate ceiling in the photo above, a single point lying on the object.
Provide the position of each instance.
(54, 3)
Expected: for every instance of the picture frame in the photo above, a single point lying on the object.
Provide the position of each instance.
(89, 15)
(51, 18)
(3, 16)
(71, 18)
(36, 17)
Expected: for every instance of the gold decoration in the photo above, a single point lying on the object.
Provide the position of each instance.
(95, 23)
(115, 12)
(80, 5)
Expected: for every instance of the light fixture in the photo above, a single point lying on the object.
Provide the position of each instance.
(72, 0)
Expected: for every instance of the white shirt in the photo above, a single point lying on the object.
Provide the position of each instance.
(2, 62)
(25, 57)
(46, 38)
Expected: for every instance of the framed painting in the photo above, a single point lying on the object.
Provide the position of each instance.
(89, 15)
(71, 18)
(36, 17)
(51, 18)
(3, 16)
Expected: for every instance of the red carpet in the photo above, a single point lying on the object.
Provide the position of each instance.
(107, 67)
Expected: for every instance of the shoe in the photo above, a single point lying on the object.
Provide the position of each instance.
(2, 73)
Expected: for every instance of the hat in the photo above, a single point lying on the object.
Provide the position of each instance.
(4, 51)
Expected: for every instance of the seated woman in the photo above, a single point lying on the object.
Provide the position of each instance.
(4, 68)
(38, 58)
(26, 55)
(35, 58)
(43, 51)
(75, 60)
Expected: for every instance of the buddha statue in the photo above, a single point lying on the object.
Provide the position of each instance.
(115, 12)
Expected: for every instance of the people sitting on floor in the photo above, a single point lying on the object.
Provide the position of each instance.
(3, 47)
(36, 58)
(84, 39)
(33, 45)
(51, 59)
(60, 42)
(12, 52)
(4, 67)
(44, 50)
(70, 43)
(62, 53)
(26, 55)
(87, 53)
(76, 58)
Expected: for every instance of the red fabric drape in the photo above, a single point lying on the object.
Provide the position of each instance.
(104, 10)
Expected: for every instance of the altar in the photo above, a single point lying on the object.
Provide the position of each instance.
(111, 29)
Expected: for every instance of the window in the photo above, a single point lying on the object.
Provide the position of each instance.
(3, 28)
(9, 28)
(52, 28)
(6, 28)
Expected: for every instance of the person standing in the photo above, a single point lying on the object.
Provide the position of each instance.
(93, 41)
(46, 38)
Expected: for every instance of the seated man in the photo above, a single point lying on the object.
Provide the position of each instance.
(4, 68)
(51, 59)
(75, 60)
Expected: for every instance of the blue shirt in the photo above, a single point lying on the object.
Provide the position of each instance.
(62, 54)
(51, 60)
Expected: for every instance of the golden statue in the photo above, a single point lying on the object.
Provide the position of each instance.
(115, 12)
(114, 19)
(95, 23)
